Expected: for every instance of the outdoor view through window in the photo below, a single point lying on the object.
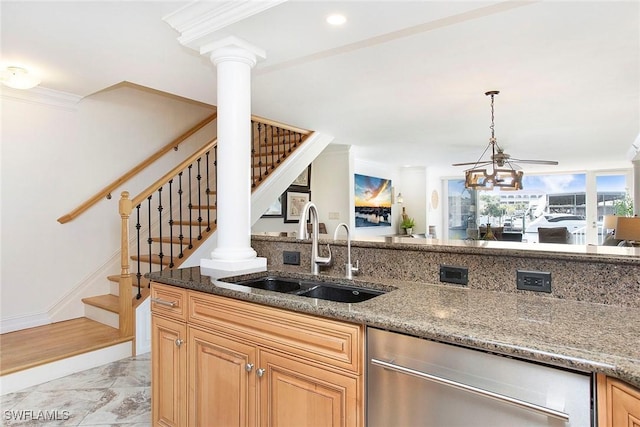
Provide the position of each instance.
(545, 201)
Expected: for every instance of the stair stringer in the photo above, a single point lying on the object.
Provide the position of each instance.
(272, 188)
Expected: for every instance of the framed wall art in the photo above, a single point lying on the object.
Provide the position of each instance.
(275, 210)
(372, 201)
(304, 179)
(294, 201)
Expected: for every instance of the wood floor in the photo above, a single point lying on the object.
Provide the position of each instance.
(44, 344)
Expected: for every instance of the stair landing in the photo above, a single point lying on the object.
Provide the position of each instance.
(37, 346)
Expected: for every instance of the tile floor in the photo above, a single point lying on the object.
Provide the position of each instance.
(116, 394)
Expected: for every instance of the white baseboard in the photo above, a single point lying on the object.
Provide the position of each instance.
(24, 322)
(41, 374)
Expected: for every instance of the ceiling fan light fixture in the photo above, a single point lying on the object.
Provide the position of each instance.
(504, 179)
(503, 174)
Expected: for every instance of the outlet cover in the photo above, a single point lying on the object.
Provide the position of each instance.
(291, 258)
(538, 281)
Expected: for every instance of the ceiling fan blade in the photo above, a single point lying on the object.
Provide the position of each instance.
(483, 163)
(538, 162)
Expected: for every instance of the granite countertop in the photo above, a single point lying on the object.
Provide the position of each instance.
(577, 335)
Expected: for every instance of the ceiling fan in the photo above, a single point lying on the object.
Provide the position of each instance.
(505, 173)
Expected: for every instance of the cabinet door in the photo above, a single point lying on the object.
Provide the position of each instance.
(169, 372)
(295, 393)
(618, 403)
(222, 380)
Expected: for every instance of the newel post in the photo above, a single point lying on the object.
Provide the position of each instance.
(125, 319)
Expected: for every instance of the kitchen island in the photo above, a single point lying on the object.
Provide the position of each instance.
(571, 334)
(588, 323)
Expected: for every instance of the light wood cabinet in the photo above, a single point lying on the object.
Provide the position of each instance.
(252, 365)
(294, 393)
(169, 372)
(618, 403)
(222, 383)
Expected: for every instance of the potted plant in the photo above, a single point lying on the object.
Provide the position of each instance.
(407, 224)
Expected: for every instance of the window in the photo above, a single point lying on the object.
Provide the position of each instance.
(558, 200)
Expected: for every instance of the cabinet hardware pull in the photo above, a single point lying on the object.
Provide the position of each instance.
(475, 390)
(163, 302)
(260, 372)
(248, 367)
(179, 342)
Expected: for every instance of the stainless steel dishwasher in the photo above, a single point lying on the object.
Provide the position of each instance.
(415, 382)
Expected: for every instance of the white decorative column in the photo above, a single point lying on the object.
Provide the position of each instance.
(234, 59)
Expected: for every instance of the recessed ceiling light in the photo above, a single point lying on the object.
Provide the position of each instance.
(336, 19)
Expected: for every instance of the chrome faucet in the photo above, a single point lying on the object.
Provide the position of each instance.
(350, 270)
(310, 211)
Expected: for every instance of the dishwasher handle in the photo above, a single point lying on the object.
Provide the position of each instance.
(543, 410)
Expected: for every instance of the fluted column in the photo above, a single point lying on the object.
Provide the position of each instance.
(234, 60)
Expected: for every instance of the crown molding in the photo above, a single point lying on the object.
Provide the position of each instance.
(42, 95)
(198, 20)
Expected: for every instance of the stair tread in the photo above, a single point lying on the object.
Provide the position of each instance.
(153, 259)
(107, 302)
(193, 223)
(174, 240)
(205, 207)
(143, 280)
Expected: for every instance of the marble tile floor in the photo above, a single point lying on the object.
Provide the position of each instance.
(116, 394)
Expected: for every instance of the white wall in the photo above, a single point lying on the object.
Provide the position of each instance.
(54, 159)
(412, 184)
(330, 175)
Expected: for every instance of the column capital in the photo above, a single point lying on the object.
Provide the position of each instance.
(233, 49)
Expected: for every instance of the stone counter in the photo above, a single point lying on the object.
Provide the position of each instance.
(579, 335)
(596, 274)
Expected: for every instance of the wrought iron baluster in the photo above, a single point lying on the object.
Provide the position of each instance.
(171, 264)
(263, 151)
(138, 262)
(160, 253)
(149, 241)
(208, 191)
(190, 205)
(180, 204)
(274, 146)
(199, 180)
(253, 151)
(279, 149)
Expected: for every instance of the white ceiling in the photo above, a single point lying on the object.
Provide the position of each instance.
(403, 82)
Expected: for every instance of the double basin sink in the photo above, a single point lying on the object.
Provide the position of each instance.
(330, 291)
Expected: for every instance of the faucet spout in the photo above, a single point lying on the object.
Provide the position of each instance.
(310, 211)
(350, 270)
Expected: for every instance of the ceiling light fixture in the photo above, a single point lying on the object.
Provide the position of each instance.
(336, 19)
(504, 174)
(18, 78)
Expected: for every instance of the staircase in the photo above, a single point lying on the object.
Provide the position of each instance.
(161, 228)
(165, 224)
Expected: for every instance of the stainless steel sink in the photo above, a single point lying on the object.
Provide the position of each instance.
(330, 291)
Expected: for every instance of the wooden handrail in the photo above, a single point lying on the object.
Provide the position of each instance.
(106, 191)
(280, 125)
(173, 172)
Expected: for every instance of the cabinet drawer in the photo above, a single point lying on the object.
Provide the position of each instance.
(334, 343)
(168, 301)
